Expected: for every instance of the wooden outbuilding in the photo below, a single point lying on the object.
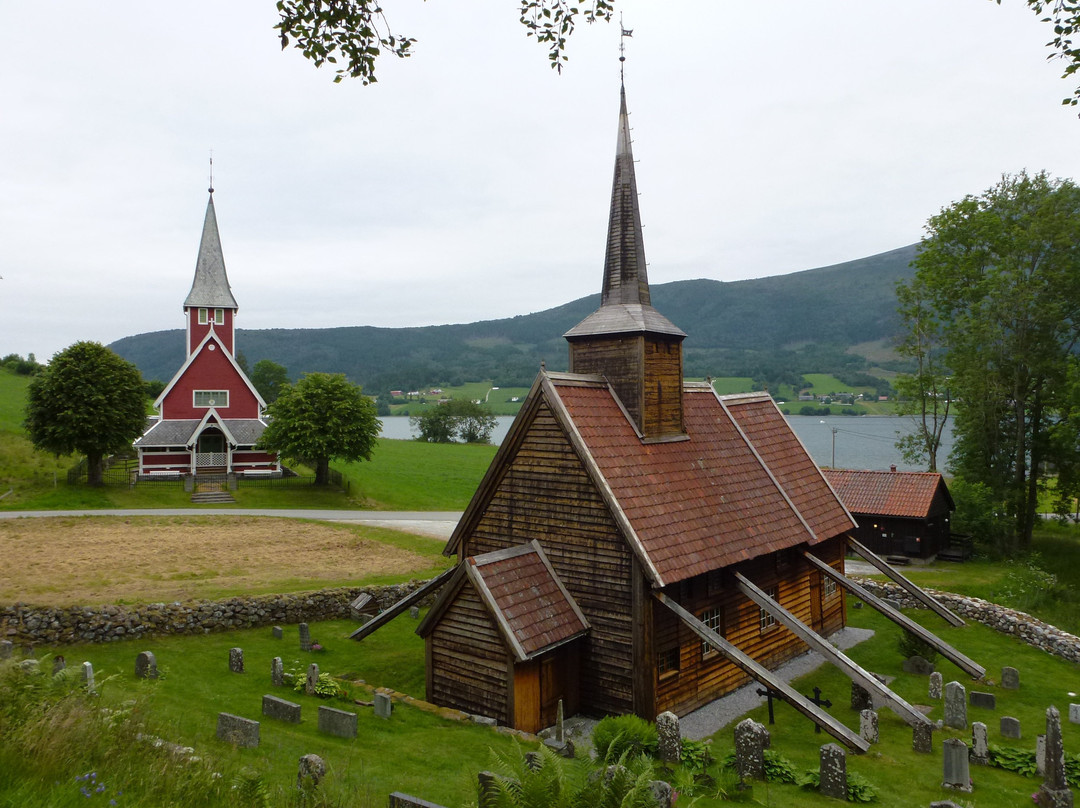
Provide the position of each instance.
(599, 561)
(899, 513)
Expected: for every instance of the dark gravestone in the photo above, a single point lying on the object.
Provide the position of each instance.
(414, 612)
(987, 701)
(751, 741)
(310, 773)
(1010, 678)
(861, 698)
(669, 733)
(340, 723)
(957, 775)
(922, 738)
(236, 660)
(1010, 727)
(312, 679)
(278, 632)
(273, 707)
(1054, 792)
(918, 665)
(146, 665)
(277, 672)
(242, 732)
(833, 771)
(305, 637)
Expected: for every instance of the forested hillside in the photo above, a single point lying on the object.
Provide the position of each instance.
(770, 329)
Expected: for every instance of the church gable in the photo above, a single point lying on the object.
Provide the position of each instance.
(198, 385)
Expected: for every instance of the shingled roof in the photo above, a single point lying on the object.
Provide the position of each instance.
(904, 494)
(210, 288)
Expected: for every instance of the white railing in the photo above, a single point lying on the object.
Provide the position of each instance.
(203, 459)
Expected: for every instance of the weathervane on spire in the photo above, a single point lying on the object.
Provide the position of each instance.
(624, 33)
(211, 171)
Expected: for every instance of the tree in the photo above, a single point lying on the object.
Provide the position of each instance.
(320, 418)
(1002, 274)
(269, 379)
(356, 32)
(923, 395)
(86, 400)
(456, 419)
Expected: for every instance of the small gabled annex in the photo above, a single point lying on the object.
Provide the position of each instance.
(209, 416)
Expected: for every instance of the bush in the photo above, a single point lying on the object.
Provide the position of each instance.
(1027, 585)
(619, 735)
(911, 645)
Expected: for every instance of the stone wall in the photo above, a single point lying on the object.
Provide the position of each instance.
(1008, 621)
(45, 625)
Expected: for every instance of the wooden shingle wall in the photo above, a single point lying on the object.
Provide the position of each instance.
(619, 360)
(545, 494)
(663, 412)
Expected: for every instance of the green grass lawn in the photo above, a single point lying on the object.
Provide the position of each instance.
(497, 399)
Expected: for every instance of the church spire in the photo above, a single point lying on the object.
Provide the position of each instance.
(210, 289)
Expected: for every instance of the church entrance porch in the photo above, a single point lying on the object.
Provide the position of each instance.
(211, 452)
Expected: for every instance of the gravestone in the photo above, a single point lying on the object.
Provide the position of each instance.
(987, 701)
(955, 706)
(1010, 727)
(242, 732)
(312, 679)
(58, 664)
(88, 676)
(384, 706)
(751, 741)
(1040, 754)
(670, 735)
(833, 771)
(861, 698)
(560, 727)
(236, 660)
(1074, 713)
(980, 751)
(944, 804)
(955, 761)
(918, 665)
(146, 665)
(30, 665)
(1010, 678)
(310, 773)
(277, 672)
(363, 606)
(305, 637)
(273, 707)
(7, 647)
(1054, 791)
(278, 632)
(922, 738)
(868, 726)
(662, 793)
(934, 691)
(400, 800)
(414, 612)
(340, 723)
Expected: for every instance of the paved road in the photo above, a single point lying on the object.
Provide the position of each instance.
(437, 524)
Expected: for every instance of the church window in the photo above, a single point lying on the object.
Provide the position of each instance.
(219, 316)
(828, 587)
(713, 619)
(667, 662)
(203, 317)
(765, 619)
(211, 398)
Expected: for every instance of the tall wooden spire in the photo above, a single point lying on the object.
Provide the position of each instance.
(210, 303)
(626, 340)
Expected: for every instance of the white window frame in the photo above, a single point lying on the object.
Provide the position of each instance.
(219, 316)
(220, 398)
(712, 618)
(828, 587)
(766, 621)
(204, 316)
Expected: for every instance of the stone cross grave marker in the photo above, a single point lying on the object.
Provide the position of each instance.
(1010, 678)
(819, 702)
(312, 679)
(957, 774)
(277, 672)
(305, 637)
(669, 732)
(770, 694)
(1010, 727)
(236, 660)
(1054, 791)
(868, 726)
(832, 771)
(934, 690)
(751, 741)
(238, 731)
(980, 751)
(955, 706)
(146, 665)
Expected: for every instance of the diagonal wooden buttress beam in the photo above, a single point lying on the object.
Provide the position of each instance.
(762, 674)
(976, 670)
(923, 597)
(834, 655)
(385, 617)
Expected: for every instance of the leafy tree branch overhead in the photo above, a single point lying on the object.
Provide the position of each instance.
(352, 34)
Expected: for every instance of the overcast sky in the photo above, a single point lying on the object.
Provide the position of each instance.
(472, 182)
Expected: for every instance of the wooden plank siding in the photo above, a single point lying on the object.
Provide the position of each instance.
(702, 677)
(617, 359)
(468, 662)
(663, 412)
(545, 494)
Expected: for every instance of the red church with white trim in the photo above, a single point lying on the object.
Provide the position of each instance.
(210, 416)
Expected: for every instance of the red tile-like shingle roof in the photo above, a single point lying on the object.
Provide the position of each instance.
(905, 494)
